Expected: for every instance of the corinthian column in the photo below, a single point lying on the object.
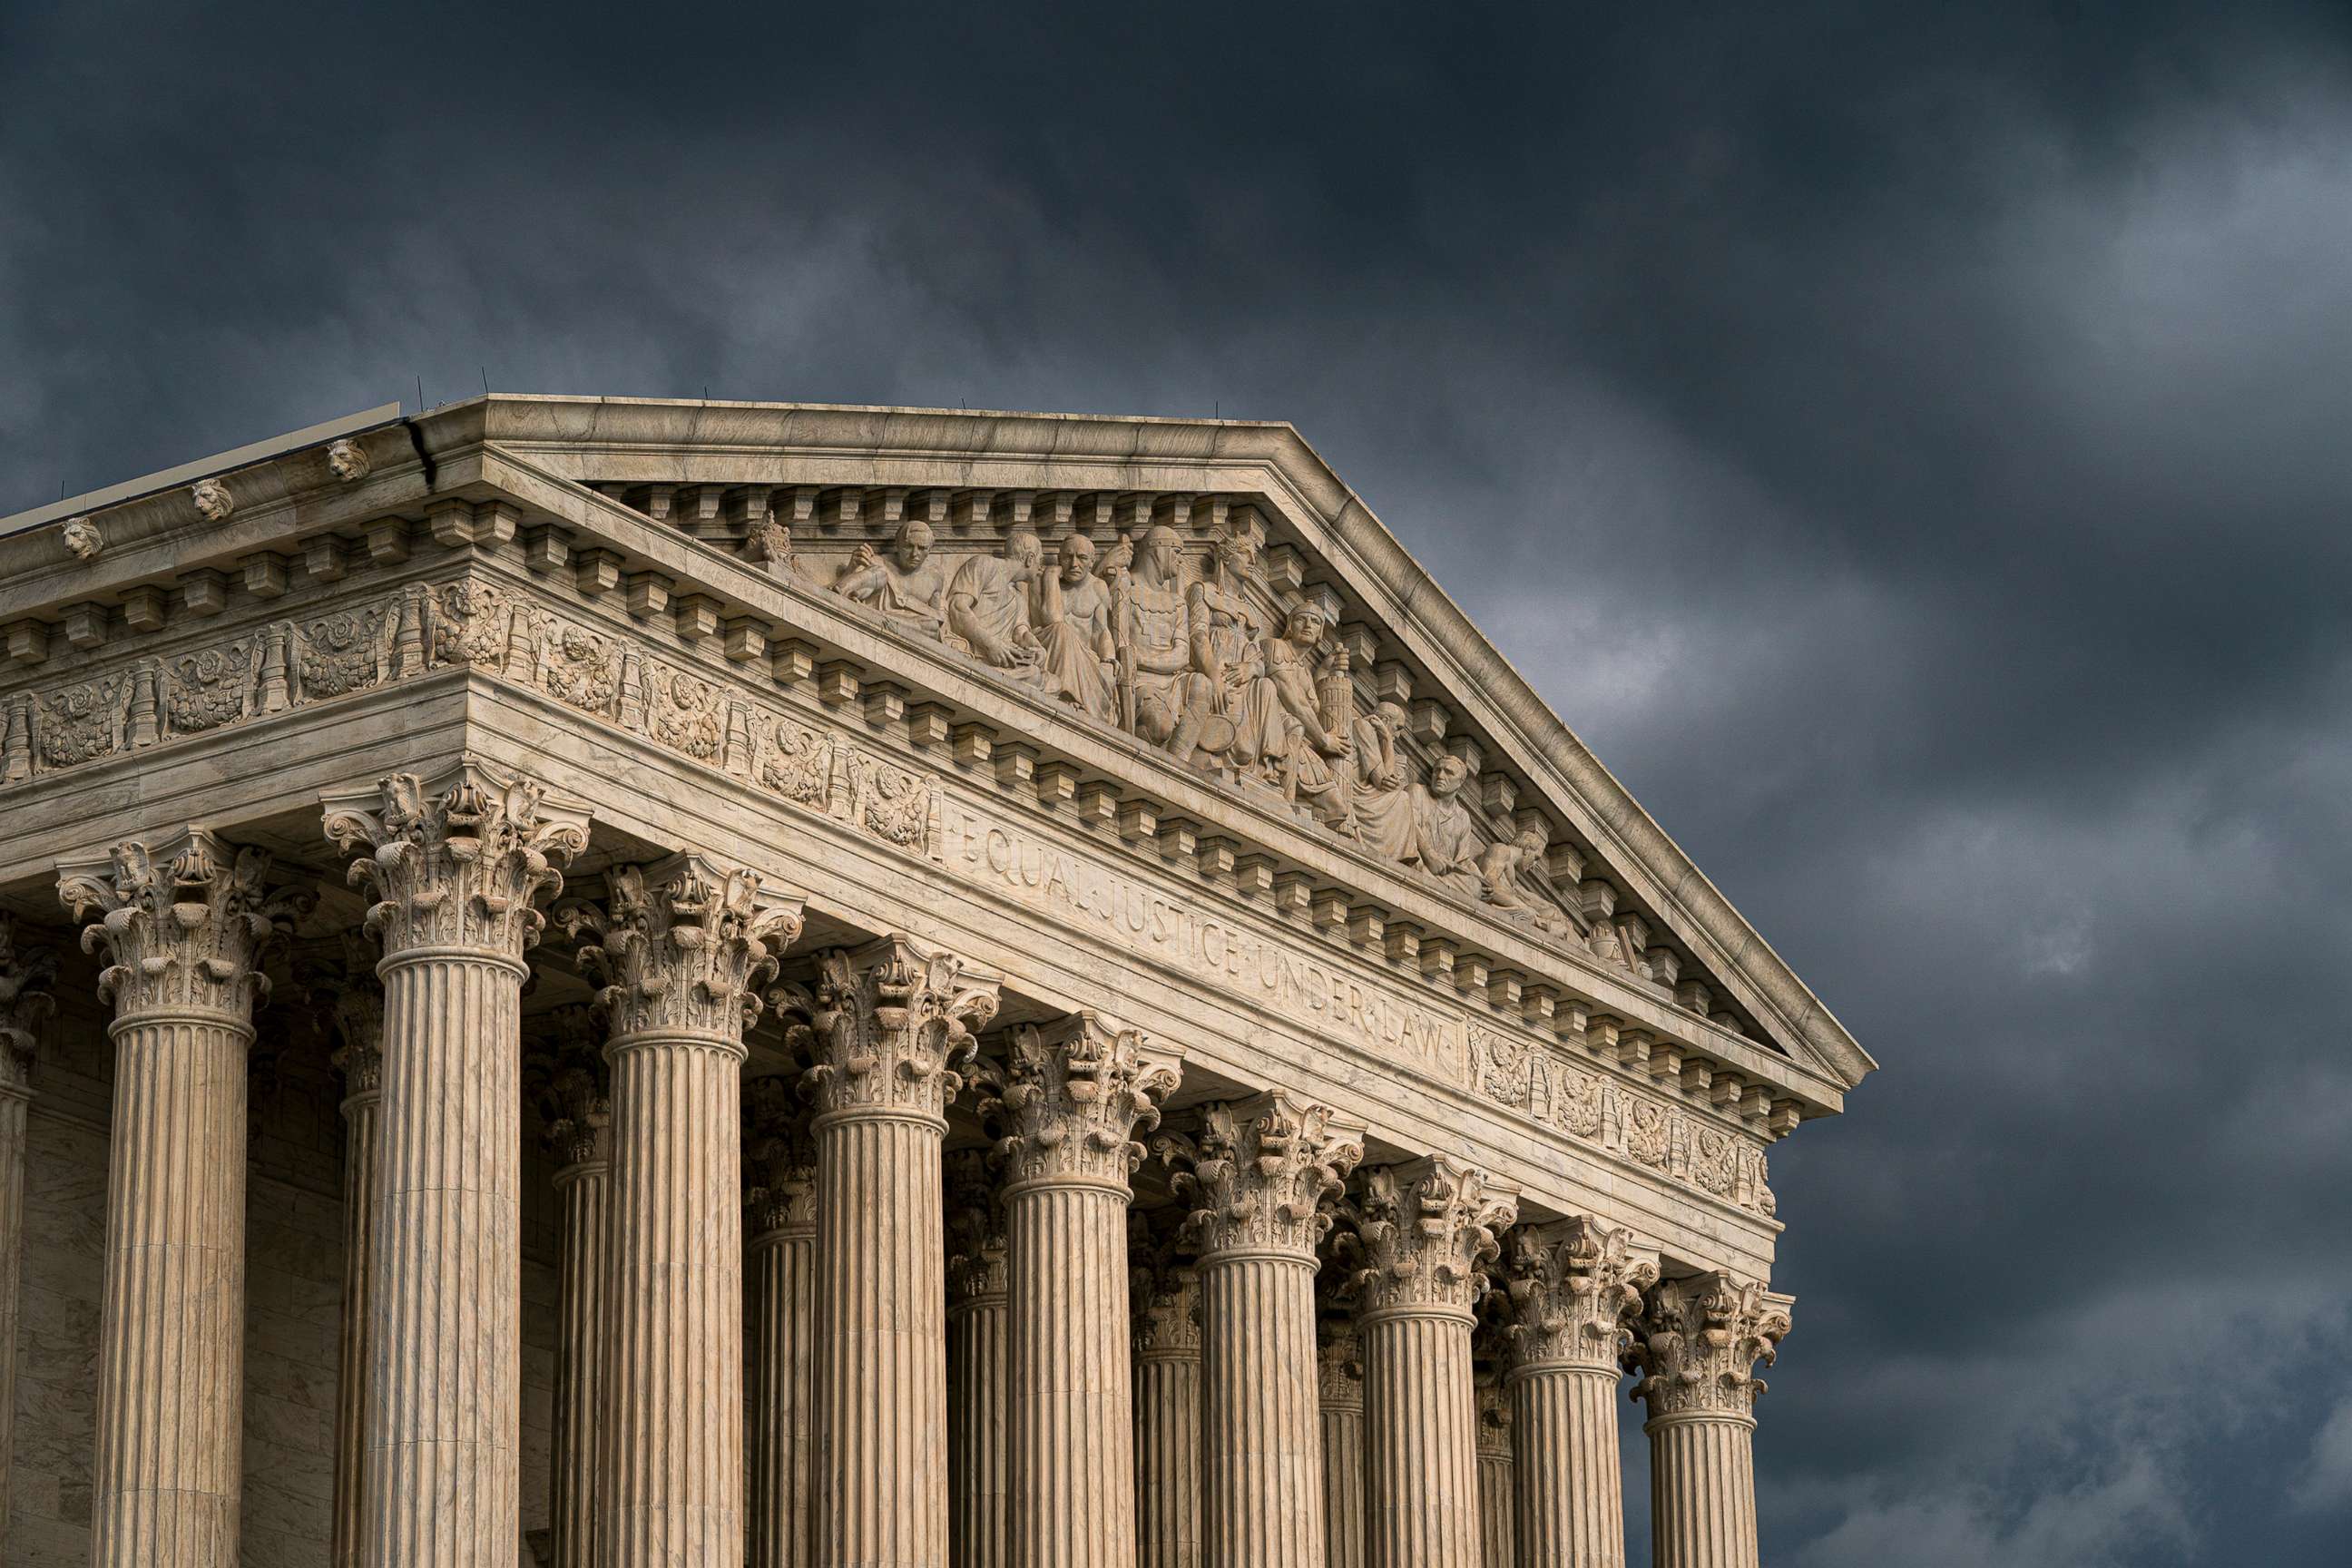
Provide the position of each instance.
(1257, 1175)
(1575, 1291)
(455, 872)
(890, 1024)
(185, 931)
(1339, 1374)
(1077, 1093)
(683, 945)
(24, 1003)
(578, 1112)
(1696, 1346)
(353, 1003)
(1425, 1231)
(780, 1207)
(1164, 1294)
(980, 1528)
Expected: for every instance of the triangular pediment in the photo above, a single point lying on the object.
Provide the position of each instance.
(1378, 718)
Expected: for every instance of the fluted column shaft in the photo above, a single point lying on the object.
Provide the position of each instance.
(1343, 1467)
(782, 1290)
(444, 1415)
(185, 931)
(352, 1357)
(979, 1357)
(575, 1484)
(1263, 1408)
(1495, 1504)
(16, 1102)
(881, 1384)
(1421, 1441)
(1701, 1490)
(1069, 1396)
(1571, 1503)
(1168, 1459)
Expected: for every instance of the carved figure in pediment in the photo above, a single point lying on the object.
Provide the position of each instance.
(909, 585)
(988, 609)
(1513, 869)
(1172, 699)
(1072, 614)
(1381, 812)
(1301, 762)
(1445, 838)
(1229, 648)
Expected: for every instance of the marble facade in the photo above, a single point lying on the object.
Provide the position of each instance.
(691, 983)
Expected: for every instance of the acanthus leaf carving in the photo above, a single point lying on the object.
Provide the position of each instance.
(1260, 1172)
(1574, 1290)
(891, 1026)
(185, 925)
(1163, 1288)
(979, 1261)
(1423, 1233)
(683, 946)
(1698, 1342)
(26, 975)
(1074, 1095)
(778, 1159)
(347, 1002)
(459, 865)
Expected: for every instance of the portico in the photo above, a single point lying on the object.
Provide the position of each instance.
(898, 1077)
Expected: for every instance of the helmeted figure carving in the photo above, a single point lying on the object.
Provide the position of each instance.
(683, 945)
(1575, 1291)
(186, 926)
(892, 1026)
(462, 867)
(1424, 1233)
(1075, 1095)
(1699, 1341)
(1258, 1171)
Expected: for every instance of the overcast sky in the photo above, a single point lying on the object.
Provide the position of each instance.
(1914, 451)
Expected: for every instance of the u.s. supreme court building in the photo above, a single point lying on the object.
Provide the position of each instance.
(626, 984)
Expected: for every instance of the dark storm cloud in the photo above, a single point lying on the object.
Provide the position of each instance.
(1910, 450)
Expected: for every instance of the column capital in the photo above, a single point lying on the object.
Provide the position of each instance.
(186, 922)
(1424, 1233)
(458, 864)
(779, 1160)
(1164, 1289)
(890, 1025)
(1698, 1342)
(345, 996)
(978, 1266)
(1494, 1419)
(683, 946)
(25, 975)
(1257, 1172)
(1074, 1093)
(1575, 1291)
(1339, 1361)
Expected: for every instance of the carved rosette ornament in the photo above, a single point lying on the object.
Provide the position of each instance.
(1258, 1171)
(184, 928)
(1424, 1233)
(459, 867)
(26, 974)
(1575, 1292)
(683, 946)
(1076, 1094)
(1697, 1345)
(891, 1026)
